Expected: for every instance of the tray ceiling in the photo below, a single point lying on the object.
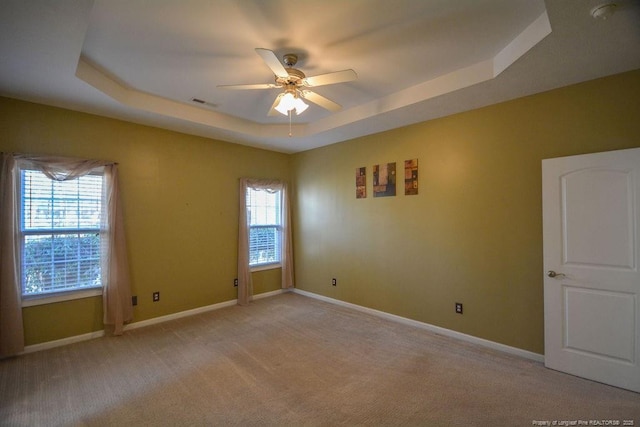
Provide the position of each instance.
(416, 60)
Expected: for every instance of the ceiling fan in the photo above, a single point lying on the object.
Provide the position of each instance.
(294, 84)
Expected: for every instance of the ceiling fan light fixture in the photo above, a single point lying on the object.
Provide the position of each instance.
(289, 102)
(286, 103)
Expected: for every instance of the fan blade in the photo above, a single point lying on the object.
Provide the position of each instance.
(330, 78)
(253, 86)
(273, 111)
(272, 62)
(320, 100)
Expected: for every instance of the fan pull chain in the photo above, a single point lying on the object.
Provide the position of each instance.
(289, 123)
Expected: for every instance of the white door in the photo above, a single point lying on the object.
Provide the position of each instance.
(591, 221)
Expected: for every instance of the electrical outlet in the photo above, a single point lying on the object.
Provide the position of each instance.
(156, 296)
(334, 282)
(235, 282)
(134, 300)
(459, 307)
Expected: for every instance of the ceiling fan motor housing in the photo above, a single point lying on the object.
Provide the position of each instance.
(295, 78)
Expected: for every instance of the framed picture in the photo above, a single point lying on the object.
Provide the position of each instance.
(361, 183)
(384, 180)
(410, 177)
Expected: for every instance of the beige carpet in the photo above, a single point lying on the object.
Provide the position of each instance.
(293, 361)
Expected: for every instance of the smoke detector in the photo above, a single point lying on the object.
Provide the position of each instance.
(603, 11)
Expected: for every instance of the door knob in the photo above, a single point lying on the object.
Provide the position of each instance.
(553, 274)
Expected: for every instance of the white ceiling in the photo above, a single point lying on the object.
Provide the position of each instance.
(143, 60)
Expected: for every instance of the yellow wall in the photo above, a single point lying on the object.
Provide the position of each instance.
(474, 233)
(180, 208)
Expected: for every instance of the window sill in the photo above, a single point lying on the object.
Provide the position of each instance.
(33, 300)
(265, 267)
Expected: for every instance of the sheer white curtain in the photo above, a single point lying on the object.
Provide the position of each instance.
(11, 331)
(116, 285)
(245, 285)
(115, 271)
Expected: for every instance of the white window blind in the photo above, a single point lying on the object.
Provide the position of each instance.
(60, 230)
(265, 227)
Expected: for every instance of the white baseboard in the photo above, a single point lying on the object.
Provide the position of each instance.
(271, 293)
(437, 329)
(62, 342)
(135, 325)
(179, 315)
(198, 310)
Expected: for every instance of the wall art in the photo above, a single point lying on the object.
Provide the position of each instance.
(384, 180)
(361, 183)
(410, 177)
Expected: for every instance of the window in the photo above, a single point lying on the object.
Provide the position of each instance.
(265, 227)
(60, 224)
